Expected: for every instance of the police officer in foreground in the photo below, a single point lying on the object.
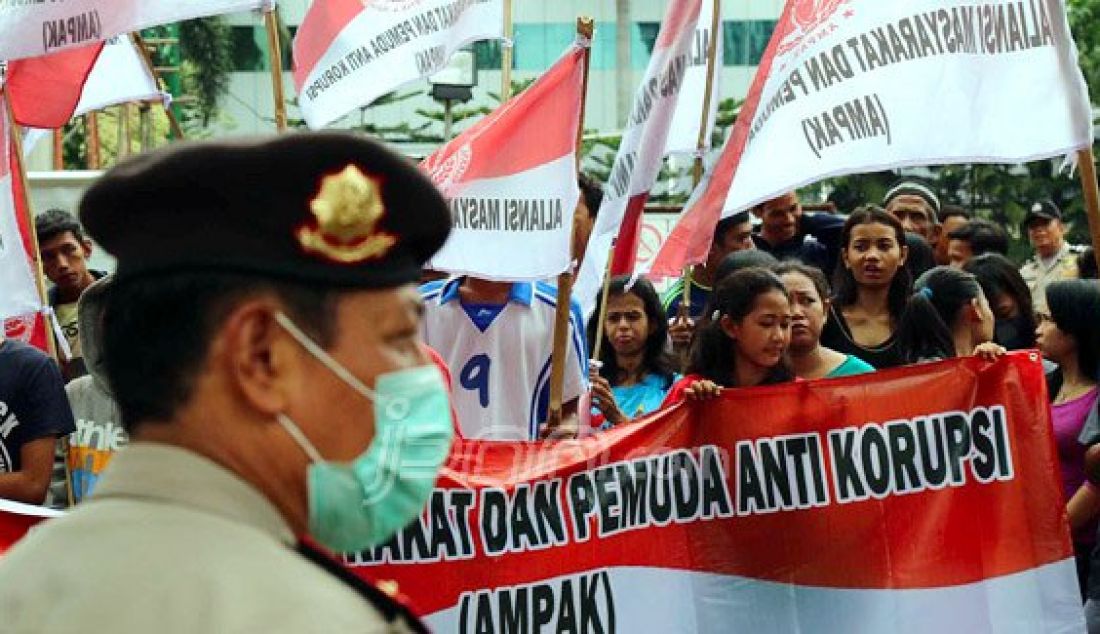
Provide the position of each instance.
(261, 339)
(1055, 259)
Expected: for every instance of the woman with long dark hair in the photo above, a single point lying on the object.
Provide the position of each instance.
(947, 316)
(809, 291)
(1010, 298)
(744, 340)
(872, 286)
(635, 369)
(1068, 335)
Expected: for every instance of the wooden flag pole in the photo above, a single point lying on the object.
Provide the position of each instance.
(58, 149)
(39, 275)
(173, 122)
(601, 315)
(1086, 163)
(506, 54)
(701, 142)
(585, 30)
(91, 122)
(275, 53)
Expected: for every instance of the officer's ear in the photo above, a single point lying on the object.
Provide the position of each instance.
(259, 359)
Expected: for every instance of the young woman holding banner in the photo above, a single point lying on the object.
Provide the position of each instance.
(635, 369)
(1067, 334)
(948, 316)
(872, 286)
(744, 340)
(809, 291)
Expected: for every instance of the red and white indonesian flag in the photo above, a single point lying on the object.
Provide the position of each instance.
(849, 86)
(511, 181)
(20, 304)
(347, 53)
(30, 29)
(644, 143)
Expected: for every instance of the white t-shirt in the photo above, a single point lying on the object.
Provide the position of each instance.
(501, 375)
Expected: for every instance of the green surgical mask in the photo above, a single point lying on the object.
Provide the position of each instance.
(357, 505)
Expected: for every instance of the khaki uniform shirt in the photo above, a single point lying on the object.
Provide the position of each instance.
(1038, 276)
(172, 542)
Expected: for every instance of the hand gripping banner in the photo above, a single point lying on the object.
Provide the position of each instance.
(920, 499)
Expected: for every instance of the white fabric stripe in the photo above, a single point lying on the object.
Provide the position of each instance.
(501, 254)
(1043, 599)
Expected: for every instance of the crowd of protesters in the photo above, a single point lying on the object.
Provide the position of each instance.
(784, 295)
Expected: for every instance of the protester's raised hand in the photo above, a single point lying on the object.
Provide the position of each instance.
(702, 390)
(989, 351)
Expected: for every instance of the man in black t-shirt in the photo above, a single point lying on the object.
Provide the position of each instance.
(34, 412)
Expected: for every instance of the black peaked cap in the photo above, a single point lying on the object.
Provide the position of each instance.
(327, 208)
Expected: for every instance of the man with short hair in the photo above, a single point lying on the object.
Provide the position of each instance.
(34, 413)
(788, 233)
(1054, 258)
(952, 218)
(65, 252)
(731, 234)
(270, 374)
(975, 238)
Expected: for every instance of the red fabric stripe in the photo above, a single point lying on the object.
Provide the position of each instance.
(319, 29)
(626, 245)
(533, 128)
(44, 90)
(681, 15)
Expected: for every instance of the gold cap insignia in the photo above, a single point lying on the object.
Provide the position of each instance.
(389, 586)
(346, 211)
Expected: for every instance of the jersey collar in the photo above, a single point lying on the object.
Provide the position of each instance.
(522, 292)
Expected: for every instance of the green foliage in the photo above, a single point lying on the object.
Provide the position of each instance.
(206, 62)
(1084, 22)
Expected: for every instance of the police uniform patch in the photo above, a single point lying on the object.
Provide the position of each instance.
(346, 212)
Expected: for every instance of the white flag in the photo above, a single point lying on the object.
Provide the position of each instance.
(33, 28)
(683, 135)
(850, 86)
(348, 53)
(511, 181)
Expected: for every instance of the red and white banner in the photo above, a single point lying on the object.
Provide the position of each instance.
(20, 304)
(920, 499)
(849, 86)
(683, 135)
(348, 53)
(642, 149)
(30, 29)
(511, 181)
